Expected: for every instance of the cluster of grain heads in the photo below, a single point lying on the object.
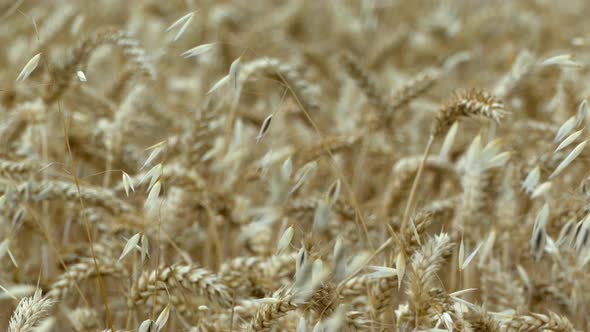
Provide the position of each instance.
(76, 273)
(220, 166)
(30, 312)
(539, 322)
(470, 103)
(270, 311)
(475, 169)
(178, 278)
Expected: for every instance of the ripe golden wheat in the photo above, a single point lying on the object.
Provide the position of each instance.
(301, 166)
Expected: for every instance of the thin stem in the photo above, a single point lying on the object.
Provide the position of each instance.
(62, 115)
(103, 293)
(409, 204)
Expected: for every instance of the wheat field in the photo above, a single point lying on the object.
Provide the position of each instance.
(308, 166)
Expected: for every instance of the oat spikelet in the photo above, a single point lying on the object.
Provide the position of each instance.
(29, 67)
